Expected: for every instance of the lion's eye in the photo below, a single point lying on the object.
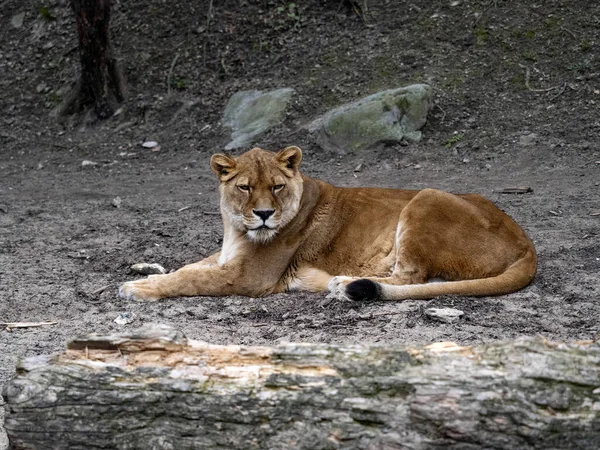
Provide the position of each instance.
(243, 187)
(278, 187)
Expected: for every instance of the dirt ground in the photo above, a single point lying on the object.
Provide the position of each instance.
(517, 93)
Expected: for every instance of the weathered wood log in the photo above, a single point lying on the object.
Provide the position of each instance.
(156, 390)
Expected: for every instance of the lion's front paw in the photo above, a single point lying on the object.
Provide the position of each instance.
(337, 287)
(141, 290)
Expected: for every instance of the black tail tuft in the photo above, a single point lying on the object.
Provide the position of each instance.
(363, 289)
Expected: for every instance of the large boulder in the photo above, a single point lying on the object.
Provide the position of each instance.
(386, 116)
(251, 113)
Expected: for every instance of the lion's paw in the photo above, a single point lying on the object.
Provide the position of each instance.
(140, 290)
(337, 287)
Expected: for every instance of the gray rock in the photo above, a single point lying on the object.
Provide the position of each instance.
(17, 20)
(391, 115)
(250, 113)
(148, 269)
(528, 139)
(125, 318)
(149, 144)
(447, 315)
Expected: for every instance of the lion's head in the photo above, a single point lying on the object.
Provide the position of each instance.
(260, 190)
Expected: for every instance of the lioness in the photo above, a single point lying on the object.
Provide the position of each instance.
(285, 231)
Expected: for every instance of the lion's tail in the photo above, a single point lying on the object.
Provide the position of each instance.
(516, 276)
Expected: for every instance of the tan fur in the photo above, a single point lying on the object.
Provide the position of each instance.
(315, 236)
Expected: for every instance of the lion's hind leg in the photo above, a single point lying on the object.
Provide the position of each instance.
(464, 240)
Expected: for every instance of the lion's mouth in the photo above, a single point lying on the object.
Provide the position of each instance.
(261, 234)
(261, 227)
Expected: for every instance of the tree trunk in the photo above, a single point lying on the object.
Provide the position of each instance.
(102, 84)
(155, 390)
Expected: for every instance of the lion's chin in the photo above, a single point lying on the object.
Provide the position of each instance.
(261, 235)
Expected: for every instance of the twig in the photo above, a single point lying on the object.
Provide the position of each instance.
(595, 213)
(382, 314)
(569, 31)
(515, 190)
(443, 112)
(211, 213)
(210, 6)
(100, 290)
(528, 74)
(10, 325)
(488, 6)
(77, 256)
(70, 50)
(223, 66)
(561, 92)
(183, 209)
(171, 73)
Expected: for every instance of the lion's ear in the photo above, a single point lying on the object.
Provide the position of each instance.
(223, 166)
(290, 158)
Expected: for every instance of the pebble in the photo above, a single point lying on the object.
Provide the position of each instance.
(17, 20)
(116, 202)
(88, 163)
(125, 318)
(149, 144)
(528, 139)
(148, 269)
(447, 315)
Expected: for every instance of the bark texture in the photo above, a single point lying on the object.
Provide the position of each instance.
(102, 84)
(156, 390)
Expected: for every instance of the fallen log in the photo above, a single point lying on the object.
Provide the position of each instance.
(154, 389)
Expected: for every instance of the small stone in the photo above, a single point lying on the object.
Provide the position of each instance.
(149, 144)
(17, 20)
(125, 318)
(359, 168)
(417, 166)
(40, 87)
(88, 163)
(148, 269)
(446, 315)
(528, 139)
(488, 166)
(4, 209)
(466, 160)
(116, 202)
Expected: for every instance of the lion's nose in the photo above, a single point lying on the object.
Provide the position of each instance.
(264, 214)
